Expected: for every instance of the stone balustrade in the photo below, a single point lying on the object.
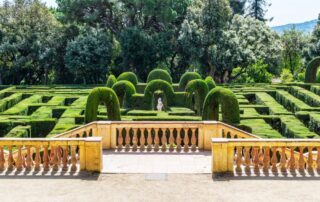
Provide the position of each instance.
(51, 154)
(275, 155)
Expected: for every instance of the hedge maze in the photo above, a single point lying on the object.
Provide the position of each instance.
(266, 110)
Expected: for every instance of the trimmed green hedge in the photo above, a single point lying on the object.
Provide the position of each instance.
(229, 106)
(196, 89)
(111, 80)
(260, 128)
(128, 76)
(274, 107)
(186, 77)
(293, 128)
(124, 91)
(19, 132)
(156, 85)
(311, 72)
(159, 74)
(108, 97)
(210, 82)
(22, 107)
(10, 101)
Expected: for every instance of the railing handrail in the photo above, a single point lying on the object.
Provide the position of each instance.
(48, 139)
(224, 140)
(239, 130)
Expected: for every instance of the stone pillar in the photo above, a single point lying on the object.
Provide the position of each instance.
(103, 129)
(91, 154)
(222, 156)
(209, 130)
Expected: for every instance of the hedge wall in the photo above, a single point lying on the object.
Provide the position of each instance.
(159, 74)
(229, 106)
(186, 77)
(111, 81)
(210, 82)
(124, 91)
(311, 72)
(197, 90)
(159, 85)
(128, 76)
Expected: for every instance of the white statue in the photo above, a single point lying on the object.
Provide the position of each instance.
(159, 105)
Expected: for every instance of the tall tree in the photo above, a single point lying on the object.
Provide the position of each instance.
(313, 48)
(238, 6)
(258, 8)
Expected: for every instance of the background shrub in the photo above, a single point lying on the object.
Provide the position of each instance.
(128, 76)
(159, 74)
(156, 85)
(102, 95)
(311, 71)
(198, 90)
(210, 82)
(229, 106)
(111, 80)
(124, 91)
(186, 77)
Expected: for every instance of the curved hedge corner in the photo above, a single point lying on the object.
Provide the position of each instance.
(186, 77)
(159, 74)
(311, 72)
(102, 95)
(156, 85)
(198, 90)
(210, 82)
(128, 76)
(124, 91)
(229, 106)
(111, 80)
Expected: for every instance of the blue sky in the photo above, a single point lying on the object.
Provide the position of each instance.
(283, 11)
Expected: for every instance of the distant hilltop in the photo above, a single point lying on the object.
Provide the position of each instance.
(305, 27)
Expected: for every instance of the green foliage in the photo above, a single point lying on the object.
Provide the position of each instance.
(312, 70)
(159, 74)
(258, 8)
(19, 132)
(102, 95)
(286, 76)
(111, 80)
(156, 85)
(128, 76)
(256, 73)
(197, 90)
(124, 90)
(229, 106)
(186, 77)
(210, 82)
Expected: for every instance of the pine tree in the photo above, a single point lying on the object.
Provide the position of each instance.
(238, 6)
(258, 8)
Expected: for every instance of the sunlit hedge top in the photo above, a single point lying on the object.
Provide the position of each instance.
(128, 76)
(186, 77)
(111, 80)
(210, 82)
(124, 90)
(159, 74)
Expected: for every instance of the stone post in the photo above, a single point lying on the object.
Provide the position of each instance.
(91, 154)
(222, 156)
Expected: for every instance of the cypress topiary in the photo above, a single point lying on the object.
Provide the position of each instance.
(156, 85)
(186, 77)
(128, 76)
(311, 72)
(210, 82)
(197, 89)
(159, 74)
(106, 96)
(124, 91)
(229, 106)
(111, 80)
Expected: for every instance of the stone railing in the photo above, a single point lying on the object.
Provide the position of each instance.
(237, 155)
(157, 135)
(51, 154)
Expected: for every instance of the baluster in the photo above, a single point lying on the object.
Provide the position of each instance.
(239, 159)
(164, 140)
(171, 139)
(135, 139)
(193, 139)
(301, 159)
(128, 139)
(73, 158)
(142, 139)
(318, 159)
(255, 158)
(186, 139)
(10, 158)
(247, 158)
(156, 139)
(231, 135)
(37, 159)
(29, 160)
(310, 158)
(46, 158)
(292, 163)
(65, 158)
(2, 160)
(261, 155)
(149, 139)
(52, 151)
(19, 159)
(266, 158)
(283, 159)
(120, 139)
(178, 139)
(55, 158)
(274, 159)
